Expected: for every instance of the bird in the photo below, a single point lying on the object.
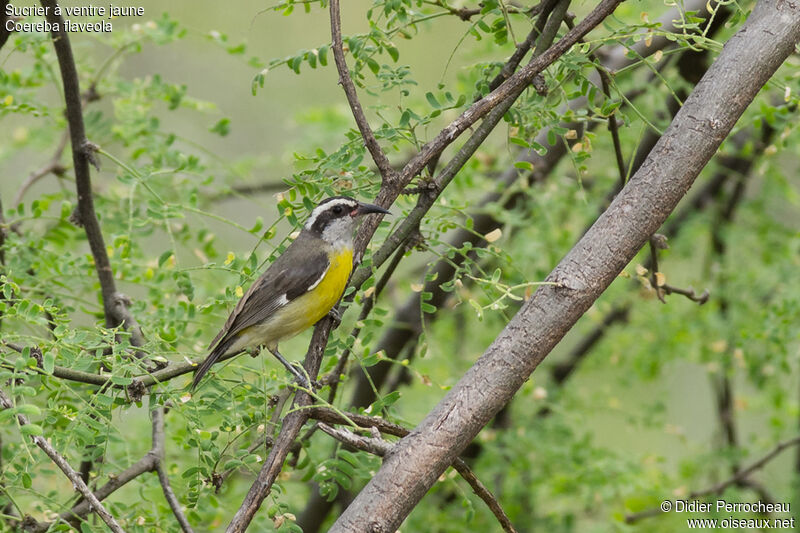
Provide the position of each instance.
(298, 289)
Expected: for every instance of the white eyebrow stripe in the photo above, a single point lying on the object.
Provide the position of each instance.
(348, 202)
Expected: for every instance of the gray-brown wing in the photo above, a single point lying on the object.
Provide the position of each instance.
(303, 263)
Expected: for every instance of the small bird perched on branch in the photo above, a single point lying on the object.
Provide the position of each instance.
(298, 289)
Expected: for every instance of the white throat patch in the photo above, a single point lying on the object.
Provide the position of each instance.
(339, 232)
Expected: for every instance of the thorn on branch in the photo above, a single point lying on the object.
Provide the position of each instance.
(136, 391)
(539, 85)
(91, 94)
(36, 353)
(90, 150)
(388, 174)
(659, 241)
(75, 218)
(424, 186)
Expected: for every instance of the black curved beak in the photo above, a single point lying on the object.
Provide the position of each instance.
(366, 209)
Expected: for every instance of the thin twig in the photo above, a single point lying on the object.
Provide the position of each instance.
(330, 416)
(53, 165)
(720, 487)
(266, 187)
(688, 293)
(63, 465)
(159, 448)
(659, 242)
(388, 174)
(372, 445)
(465, 13)
(525, 46)
(654, 247)
(613, 127)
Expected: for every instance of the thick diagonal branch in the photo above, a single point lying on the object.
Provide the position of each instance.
(745, 64)
(381, 448)
(407, 323)
(389, 192)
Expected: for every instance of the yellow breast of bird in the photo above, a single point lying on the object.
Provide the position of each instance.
(305, 310)
(316, 303)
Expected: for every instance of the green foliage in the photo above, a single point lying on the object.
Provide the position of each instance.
(620, 436)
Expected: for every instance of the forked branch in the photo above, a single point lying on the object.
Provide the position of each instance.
(388, 174)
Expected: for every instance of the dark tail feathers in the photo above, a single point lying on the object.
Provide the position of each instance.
(212, 358)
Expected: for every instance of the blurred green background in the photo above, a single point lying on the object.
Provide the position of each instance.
(636, 423)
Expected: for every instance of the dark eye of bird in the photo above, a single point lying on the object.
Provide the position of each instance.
(337, 210)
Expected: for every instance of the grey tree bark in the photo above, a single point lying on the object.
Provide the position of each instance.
(745, 64)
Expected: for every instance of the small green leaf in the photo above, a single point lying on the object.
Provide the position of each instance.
(390, 398)
(478, 309)
(49, 361)
(393, 53)
(28, 410)
(370, 360)
(32, 429)
(373, 65)
(164, 257)
(432, 100)
(121, 380)
(190, 472)
(222, 128)
(520, 142)
(405, 118)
